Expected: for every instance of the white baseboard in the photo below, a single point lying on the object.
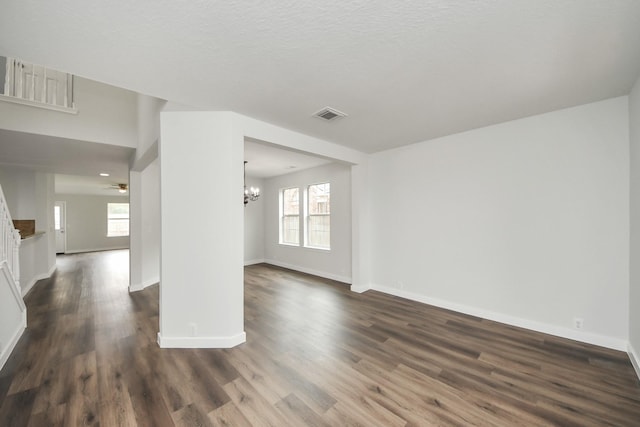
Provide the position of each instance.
(6, 351)
(81, 251)
(135, 287)
(360, 288)
(254, 261)
(201, 342)
(26, 288)
(635, 359)
(34, 280)
(52, 269)
(343, 279)
(559, 331)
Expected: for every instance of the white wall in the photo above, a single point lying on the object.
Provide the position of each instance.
(524, 222)
(86, 228)
(29, 195)
(634, 280)
(334, 264)
(19, 186)
(144, 198)
(106, 114)
(150, 260)
(254, 225)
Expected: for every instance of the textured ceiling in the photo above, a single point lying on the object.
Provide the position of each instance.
(266, 161)
(403, 71)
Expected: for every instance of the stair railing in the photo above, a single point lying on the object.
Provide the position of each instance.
(36, 85)
(9, 241)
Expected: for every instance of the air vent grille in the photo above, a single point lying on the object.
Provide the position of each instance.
(329, 114)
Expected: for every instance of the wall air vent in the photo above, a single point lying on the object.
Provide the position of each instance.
(328, 114)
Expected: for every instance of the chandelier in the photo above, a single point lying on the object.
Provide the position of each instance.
(251, 193)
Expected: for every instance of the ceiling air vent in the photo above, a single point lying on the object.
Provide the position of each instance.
(328, 114)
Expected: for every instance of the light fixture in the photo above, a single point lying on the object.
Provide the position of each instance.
(104, 174)
(249, 193)
(122, 188)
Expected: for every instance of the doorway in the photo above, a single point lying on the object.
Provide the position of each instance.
(60, 225)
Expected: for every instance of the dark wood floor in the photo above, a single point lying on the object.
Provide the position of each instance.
(316, 354)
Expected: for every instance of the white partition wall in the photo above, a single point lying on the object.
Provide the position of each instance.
(634, 266)
(201, 275)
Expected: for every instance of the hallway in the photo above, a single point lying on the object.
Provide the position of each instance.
(316, 354)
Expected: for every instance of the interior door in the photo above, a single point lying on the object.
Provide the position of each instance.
(60, 225)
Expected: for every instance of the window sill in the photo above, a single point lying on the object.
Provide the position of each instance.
(315, 248)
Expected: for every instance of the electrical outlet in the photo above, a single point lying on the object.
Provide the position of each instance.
(194, 329)
(578, 322)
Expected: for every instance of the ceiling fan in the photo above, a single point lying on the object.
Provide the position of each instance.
(122, 188)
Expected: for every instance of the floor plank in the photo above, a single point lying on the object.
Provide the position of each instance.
(316, 355)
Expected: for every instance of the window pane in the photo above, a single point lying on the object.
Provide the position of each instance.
(319, 198)
(291, 229)
(56, 217)
(290, 201)
(319, 231)
(290, 220)
(118, 210)
(118, 227)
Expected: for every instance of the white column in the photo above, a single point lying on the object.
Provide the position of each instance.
(46, 245)
(135, 231)
(201, 273)
(360, 228)
(144, 228)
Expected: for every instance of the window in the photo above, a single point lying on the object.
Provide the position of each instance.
(56, 218)
(318, 233)
(117, 219)
(290, 216)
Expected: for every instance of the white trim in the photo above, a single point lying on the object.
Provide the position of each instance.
(140, 286)
(38, 104)
(201, 342)
(635, 359)
(142, 162)
(8, 349)
(29, 286)
(586, 337)
(4, 268)
(343, 279)
(254, 261)
(79, 251)
(52, 269)
(295, 245)
(360, 288)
